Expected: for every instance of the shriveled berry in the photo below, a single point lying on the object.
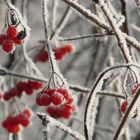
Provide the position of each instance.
(8, 45)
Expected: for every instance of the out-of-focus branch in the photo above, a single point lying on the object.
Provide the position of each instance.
(95, 19)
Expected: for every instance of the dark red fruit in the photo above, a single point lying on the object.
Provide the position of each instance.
(57, 98)
(18, 41)
(35, 84)
(12, 32)
(43, 99)
(124, 106)
(68, 48)
(43, 56)
(8, 45)
(2, 38)
(58, 54)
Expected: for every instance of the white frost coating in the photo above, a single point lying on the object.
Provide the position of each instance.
(61, 126)
(87, 13)
(92, 105)
(118, 33)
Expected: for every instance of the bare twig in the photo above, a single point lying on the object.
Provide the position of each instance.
(96, 35)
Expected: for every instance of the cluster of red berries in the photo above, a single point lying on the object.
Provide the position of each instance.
(12, 37)
(27, 87)
(14, 123)
(55, 96)
(63, 111)
(61, 100)
(125, 103)
(59, 53)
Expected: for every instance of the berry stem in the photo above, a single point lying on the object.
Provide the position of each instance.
(45, 19)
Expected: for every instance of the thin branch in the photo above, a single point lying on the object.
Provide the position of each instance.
(96, 35)
(45, 21)
(117, 31)
(60, 126)
(61, 24)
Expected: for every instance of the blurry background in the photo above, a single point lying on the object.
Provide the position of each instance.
(92, 55)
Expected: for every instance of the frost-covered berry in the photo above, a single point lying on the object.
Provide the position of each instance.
(57, 98)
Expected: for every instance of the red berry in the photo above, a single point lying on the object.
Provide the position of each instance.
(57, 98)
(18, 41)
(124, 106)
(7, 96)
(64, 92)
(49, 91)
(43, 56)
(13, 92)
(21, 86)
(59, 55)
(35, 84)
(43, 99)
(24, 121)
(2, 38)
(27, 112)
(51, 110)
(12, 32)
(14, 129)
(68, 48)
(8, 45)
(67, 110)
(28, 89)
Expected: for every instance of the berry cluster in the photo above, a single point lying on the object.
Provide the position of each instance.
(125, 103)
(12, 37)
(14, 123)
(61, 101)
(59, 53)
(21, 87)
(55, 96)
(63, 111)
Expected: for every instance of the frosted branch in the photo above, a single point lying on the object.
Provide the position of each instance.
(95, 19)
(93, 93)
(60, 126)
(117, 32)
